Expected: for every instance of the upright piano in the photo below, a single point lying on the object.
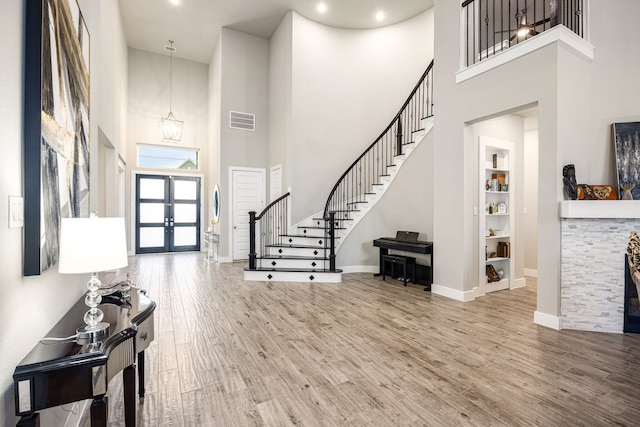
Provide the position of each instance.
(59, 372)
(406, 241)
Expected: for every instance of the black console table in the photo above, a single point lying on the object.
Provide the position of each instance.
(59, 372)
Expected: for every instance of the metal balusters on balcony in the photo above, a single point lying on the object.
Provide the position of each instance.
(492, 26)
(367, 171)
(269, 226)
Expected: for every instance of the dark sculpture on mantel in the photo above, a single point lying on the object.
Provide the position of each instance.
(570, 183)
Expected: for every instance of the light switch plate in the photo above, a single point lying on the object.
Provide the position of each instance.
(16, 212)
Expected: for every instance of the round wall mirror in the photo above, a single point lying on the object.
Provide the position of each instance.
(216, 204)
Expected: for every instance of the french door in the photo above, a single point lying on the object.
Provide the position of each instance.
(167, 213)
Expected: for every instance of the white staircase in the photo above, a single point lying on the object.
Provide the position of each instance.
(303, 256)
(349, 219)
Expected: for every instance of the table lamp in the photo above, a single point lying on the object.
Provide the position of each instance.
(92, 245)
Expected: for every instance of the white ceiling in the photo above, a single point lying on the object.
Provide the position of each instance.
(195, 25)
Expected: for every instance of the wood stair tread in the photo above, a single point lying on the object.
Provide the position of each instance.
(312, 227)
(294, 257)
(303, 236)
(294, 270)
(289, 246)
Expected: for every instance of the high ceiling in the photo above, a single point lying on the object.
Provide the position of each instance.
(195, 25)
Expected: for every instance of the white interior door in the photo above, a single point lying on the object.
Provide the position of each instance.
(248, 194)
(275, 180)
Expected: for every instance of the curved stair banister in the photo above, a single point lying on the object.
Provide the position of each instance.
(272, 223)
(366, 172)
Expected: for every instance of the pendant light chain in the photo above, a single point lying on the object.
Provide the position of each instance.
(171, 77)
(171, 127)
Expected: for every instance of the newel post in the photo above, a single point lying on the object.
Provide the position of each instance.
(332, 241)
(252, 240)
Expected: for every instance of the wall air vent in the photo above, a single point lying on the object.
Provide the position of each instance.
(243, 121)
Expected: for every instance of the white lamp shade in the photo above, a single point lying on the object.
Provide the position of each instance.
(91, 245)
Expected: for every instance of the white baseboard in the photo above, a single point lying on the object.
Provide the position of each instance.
(530, 272)
(228, 259)
(455, 294)
(518, 283)
(543, 319)
(359, 269)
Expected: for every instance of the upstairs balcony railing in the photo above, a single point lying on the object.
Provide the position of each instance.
(492, 26)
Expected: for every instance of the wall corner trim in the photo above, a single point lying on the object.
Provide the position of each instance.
(455, 294)
(547, 320)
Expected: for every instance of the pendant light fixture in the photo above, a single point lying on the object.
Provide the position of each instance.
(171, 127)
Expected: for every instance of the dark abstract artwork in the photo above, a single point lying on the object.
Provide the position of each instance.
(56, 126)
(627, 144)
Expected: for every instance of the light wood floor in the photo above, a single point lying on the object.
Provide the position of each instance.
(366, 352)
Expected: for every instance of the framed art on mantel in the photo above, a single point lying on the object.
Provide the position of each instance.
(56, 126)
(627, 143)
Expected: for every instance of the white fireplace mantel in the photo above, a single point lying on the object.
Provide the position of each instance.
(600, 209)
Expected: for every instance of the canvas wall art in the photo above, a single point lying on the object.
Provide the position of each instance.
(56, 126)
(627, 144)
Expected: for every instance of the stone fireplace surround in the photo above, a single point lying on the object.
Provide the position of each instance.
(595, 234)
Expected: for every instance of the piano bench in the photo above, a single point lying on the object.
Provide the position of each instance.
(404, 261)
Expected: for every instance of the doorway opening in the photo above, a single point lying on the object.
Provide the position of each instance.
(519, 126)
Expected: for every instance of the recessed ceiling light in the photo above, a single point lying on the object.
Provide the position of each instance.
(322, 7)
(175, 2)
(380, 16)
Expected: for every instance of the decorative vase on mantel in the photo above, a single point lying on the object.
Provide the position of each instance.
(626, 190)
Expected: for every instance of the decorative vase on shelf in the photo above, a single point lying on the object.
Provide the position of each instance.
(626, 190)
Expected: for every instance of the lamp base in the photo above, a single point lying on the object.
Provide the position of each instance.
(92, 334)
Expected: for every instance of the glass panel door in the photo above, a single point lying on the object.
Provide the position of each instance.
(185, 215)
(167, 214)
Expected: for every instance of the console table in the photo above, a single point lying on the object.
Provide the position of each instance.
(59, 372)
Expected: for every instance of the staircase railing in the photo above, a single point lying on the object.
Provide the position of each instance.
(270, 226)
(366, 171)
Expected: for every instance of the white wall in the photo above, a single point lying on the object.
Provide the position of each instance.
(484, 96)
(574, 120)
(111, 105)
(347, 85)
(213, 160)
(112, 85)
(280, 97)
(148, 102)
(406, 205)
(615, 34)
(530, 190)
(245, 88)
(30, 306)
(148, 99)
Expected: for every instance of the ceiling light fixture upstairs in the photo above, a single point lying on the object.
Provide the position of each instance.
(175, 2)
(171, 127)
(322, 7)
(379, 16)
